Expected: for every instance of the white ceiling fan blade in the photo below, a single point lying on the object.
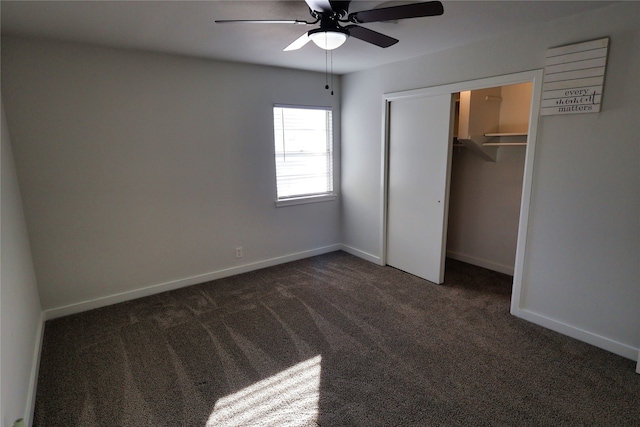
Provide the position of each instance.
(298, 43)
(319, 5)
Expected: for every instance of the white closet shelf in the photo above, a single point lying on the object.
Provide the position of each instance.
(477, 148)
(498, 134)
(503, 144)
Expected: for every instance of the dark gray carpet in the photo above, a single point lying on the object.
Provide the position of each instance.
(332, 341)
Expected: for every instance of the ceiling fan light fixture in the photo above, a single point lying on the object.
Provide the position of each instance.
(328, 39)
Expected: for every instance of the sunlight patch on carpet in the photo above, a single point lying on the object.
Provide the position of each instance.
(289, 398)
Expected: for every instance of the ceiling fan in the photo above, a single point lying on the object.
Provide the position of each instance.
(331, 15)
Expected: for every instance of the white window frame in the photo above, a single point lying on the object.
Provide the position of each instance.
(305, 198)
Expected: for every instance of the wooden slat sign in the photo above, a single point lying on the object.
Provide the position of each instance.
(574, 77)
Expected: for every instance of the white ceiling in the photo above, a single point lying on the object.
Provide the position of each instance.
(188, 28)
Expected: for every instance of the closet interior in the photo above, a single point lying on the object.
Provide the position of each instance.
(489, 149)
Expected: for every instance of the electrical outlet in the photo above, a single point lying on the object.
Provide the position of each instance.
(239, 252)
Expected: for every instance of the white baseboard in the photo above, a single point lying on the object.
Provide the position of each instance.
(604, 343)
(360, 254)
(615, 347)
(35, 369)
(489, 265)
(53, 313)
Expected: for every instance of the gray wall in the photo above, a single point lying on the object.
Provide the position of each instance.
(142, 172)
(581, 268)
(484, 207)
(20, 312)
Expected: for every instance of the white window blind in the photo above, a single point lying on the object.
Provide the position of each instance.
(303, 151)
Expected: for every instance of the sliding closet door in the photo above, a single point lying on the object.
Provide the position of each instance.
(420, 135)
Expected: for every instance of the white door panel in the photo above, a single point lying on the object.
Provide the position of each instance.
(420, 132)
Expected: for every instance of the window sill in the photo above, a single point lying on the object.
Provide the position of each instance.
(305, 200)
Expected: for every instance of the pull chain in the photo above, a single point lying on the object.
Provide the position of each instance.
(331, 54)
(326, 70)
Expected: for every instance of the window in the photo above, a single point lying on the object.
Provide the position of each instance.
(303, 154)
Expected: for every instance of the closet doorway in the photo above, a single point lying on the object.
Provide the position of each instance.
(479, 146)
(487, 169)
